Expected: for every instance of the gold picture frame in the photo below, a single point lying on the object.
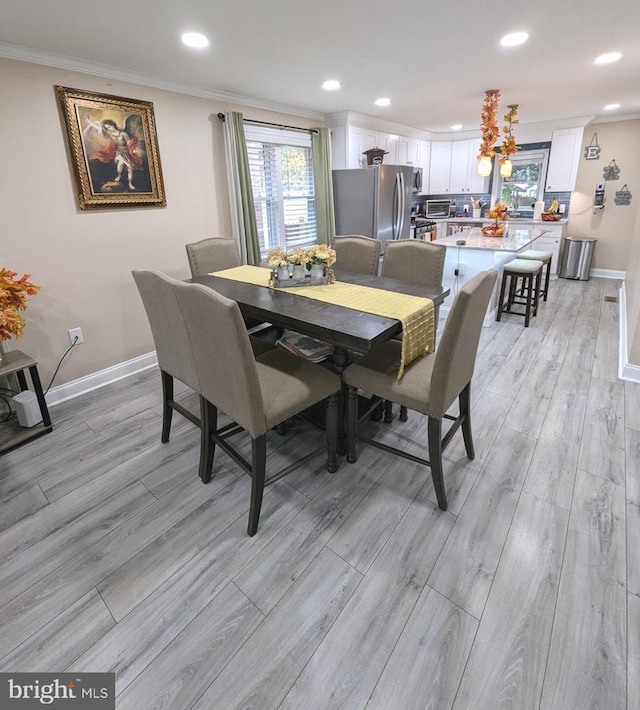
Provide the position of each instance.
(113, 149)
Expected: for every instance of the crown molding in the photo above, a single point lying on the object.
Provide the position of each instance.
(60, 61)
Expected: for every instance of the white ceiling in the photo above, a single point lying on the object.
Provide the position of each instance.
(433, 60)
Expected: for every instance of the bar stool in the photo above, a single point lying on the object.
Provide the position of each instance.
(526, 269)
(545, 258)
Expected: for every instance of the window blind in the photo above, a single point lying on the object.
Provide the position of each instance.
(281, 170)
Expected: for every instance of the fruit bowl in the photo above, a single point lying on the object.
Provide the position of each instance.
(493, 230)
(550, 216)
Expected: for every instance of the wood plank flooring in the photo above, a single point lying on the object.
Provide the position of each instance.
(357, 591)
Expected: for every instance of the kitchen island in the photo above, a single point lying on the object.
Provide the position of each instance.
(479, 252)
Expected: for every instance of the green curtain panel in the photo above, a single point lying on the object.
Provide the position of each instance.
(325, 217)
(243, 216)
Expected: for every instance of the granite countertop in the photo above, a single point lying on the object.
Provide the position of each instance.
(486, 220)
(514, 241)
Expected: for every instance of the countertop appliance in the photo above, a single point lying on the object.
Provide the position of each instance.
(374, 201)
(439, 208)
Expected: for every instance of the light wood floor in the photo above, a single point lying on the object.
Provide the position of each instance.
(357, 591)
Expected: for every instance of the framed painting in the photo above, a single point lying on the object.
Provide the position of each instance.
(113, 149)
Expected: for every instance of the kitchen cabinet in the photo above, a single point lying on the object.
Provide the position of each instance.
(551, 241)
(424, 163)
(359, 140)
(440, 167)
(566, 148)
(408, 151)
(388, 143)
(454, 168)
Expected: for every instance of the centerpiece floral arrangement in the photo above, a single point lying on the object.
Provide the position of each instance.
(302, 259)
(500, 214)
(13, 298)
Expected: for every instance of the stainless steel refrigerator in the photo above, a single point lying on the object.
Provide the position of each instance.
(374, 201)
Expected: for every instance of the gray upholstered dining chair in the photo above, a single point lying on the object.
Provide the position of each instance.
(358, 254)
(431, 384)
(258, 393)
(172, 342)
(212, 254)
(414, 261)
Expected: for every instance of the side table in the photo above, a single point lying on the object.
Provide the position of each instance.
(11, 433)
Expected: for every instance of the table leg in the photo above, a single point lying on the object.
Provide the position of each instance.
(340, 361)
(22, 380)
(37, 386)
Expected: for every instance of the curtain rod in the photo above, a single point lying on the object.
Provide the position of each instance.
(275, 125)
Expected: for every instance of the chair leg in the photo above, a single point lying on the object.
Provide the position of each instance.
(464, 400)
(167, 410)
(537, 291)
(331, 428)
(258, 467)
(404, 413)
(352, 423)
(501, 299)
(434, 435)
(546, 281)
(208, 426)
(388, 411)
(527, 313)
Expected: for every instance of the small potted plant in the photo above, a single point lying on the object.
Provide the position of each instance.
(13, 298)
(319, 257)
(298, 258)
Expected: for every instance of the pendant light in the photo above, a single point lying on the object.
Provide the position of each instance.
(506, 168)
(484, 166)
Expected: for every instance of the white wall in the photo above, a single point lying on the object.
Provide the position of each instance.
(83, 259)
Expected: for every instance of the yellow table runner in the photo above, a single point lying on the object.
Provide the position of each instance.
(415, 313)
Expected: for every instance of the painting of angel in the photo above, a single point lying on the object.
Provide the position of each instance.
(113, 149)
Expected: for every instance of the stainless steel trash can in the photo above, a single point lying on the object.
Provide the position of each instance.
(577, 253)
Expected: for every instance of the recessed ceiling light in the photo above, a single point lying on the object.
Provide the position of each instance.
(383, 102)
(331, 84)
(513, 39)
(608, 58)
(611, 107)
(456, 127)
(195, 39)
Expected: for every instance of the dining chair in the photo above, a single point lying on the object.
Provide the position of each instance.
(358, 254)
(431, 384)
(172, 343)
(414, 261)
(212, 254)
(257, 393)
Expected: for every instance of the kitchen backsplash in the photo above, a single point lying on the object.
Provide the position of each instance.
(563, 198)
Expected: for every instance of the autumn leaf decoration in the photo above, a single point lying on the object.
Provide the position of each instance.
(489, 125)
(509, 146)
(13, 298)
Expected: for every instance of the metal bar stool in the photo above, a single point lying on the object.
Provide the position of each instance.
(528, 296)
(545, 258)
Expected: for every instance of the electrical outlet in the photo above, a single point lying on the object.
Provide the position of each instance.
(76, 333)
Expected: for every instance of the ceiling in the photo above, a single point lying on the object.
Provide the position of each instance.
(433, 60)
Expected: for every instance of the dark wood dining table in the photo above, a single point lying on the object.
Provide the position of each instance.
(351, 332)
(348, 330)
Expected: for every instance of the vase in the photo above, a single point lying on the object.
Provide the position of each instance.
(298, 271)
(317, 271)
(283, 273)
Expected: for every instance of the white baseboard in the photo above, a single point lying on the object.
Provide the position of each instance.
(626, 371)
(99, 379)
(608, 274)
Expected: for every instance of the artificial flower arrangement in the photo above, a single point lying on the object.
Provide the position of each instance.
(317, 254)
(489, 126)
(509, 146)
(500, 214)
(277, 257)
(13, 298)
(320, 254)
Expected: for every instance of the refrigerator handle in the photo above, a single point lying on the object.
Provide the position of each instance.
(397, 206)
(401, 201)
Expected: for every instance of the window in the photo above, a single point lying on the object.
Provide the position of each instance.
(282, 179)
(526, 185)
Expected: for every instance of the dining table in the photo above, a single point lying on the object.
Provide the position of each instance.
(351, 332)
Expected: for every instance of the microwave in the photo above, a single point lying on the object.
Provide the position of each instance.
(416, 185)
(439, 208)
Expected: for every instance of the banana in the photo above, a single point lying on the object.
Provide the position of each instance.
(554, 206)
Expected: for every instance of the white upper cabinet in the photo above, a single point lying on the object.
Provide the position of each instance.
(359, 140)
(440, 167)
(566, 148)
(454, 168)
(408, 152)
(388, 143)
